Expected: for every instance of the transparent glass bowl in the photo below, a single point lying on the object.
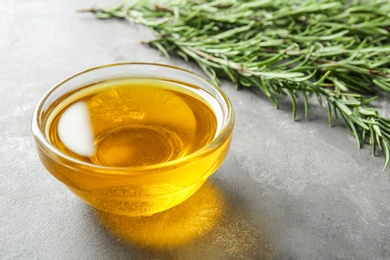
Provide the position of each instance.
(134, 190)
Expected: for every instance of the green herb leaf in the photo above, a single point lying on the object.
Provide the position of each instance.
(336, 50)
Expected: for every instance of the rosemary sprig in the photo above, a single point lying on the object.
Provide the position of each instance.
(336, 50)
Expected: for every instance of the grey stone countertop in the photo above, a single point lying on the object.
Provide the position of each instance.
(287, 190)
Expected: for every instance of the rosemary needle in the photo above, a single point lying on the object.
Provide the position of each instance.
(336, 50)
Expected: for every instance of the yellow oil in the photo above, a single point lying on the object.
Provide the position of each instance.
(173, 228)
(132, 122)
(127, 133)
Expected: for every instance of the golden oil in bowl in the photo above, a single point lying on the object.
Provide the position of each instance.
(131, 122)
(132, 142)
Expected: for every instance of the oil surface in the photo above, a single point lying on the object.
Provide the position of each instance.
(132, 122)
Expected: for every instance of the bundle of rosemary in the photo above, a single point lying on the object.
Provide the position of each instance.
(337, 50)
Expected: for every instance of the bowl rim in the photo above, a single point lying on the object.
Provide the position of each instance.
(41, 139)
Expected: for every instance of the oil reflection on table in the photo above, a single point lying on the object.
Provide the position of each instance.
(203, 226)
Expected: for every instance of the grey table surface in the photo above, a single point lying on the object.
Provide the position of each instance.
(287, 190)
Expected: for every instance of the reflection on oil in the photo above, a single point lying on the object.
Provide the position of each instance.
(177, 226)
(75, 131)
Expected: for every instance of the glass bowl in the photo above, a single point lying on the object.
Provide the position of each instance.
(133, 138)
